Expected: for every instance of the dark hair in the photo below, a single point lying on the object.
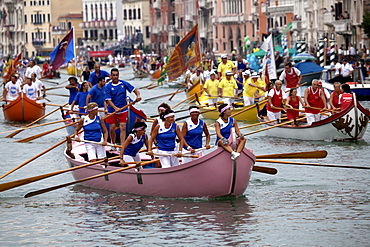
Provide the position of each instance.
(288, 64)
(138, 124)
(72, 78)
(82, 86)
(291, 91)
(220, 108)
(168, 111)
(114, 69)
(346, 88)
(101, 79)
(165, 105)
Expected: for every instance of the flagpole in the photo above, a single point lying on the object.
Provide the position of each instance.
(74, 50)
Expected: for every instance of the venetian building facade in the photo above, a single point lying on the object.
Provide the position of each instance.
(12, 27)
(99, 23)
(136, 24)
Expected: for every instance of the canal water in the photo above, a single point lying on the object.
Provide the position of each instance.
(299, 206)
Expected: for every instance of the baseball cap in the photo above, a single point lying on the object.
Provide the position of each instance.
(345, 60)
(247, 72)
(212, 73)
(255, 75)
(319, 83)
(228, 73)
(224, 56)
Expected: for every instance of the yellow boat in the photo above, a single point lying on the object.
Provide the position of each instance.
(72, 71)
(194, 89)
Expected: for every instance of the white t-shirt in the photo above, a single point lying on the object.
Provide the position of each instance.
(13, 91)
(337, 67)
(39, 85)
(30, 91)
(34, 70)
(346, 69)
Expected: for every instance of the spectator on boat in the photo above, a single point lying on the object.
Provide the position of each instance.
(165, 134)
(224, 124)
(115, 95)
(197, 77)
(193, 130)
(94, 76)
(30, 90)
(334, 97)
(347, 71)
(228, 89)
(94, 130)
(338, 72)
(85, 74)
(91, 63)
(211, 89)
(346, 97)
(32, 68)
(97, 95)
(40, 86)
(11, 90)
(292, 77)
(251, 86)
(134, 142)
(80, 98)
(73, 88)
(315, 98)
(292, 103)
(224, 66)
(275, 98)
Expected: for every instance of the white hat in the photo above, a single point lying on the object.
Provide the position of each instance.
(212, 73)
(223, 56)
(228, 73)
(260, 70)
(247, 72)
(255, 75)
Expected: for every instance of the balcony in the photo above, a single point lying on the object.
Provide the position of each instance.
(155, 30)
(157, 5)
(264, 9)
(203, 34)
(281, 10)
(214, 19)
(38, 42)
(171, 28)
(188, 18)
(343, 26)
(329, 19)
(297, 25)
(203, 4)
(230, 19)
(255, 9)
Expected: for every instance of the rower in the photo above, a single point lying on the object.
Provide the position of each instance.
(292, 77)
(251, 86)
(161, 109)
(313, 97)
(211, 88)
(228, 88)
(327, 97)
(97, 95)
(73, 87)
(224, 66)
(334, 97)
(80, 98)
(275, 97)
(40, 86)
(11, 90)
(193, 130)
(223, 130)
(346, 97)
(292, 102)
(31, 90)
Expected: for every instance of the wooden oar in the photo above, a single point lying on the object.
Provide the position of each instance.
(99, 143)
(173, 95)
(34, 193)
(181, 118)
(44, 124)
(40, 118)
(31, 138)
(57, 94)
(321, 109)
(276, 125)
(262, 169)
(161, 96)
(248, 108)
(188, 98)
(320, 154)
(183, 155)
(229, 97)
(311, 164)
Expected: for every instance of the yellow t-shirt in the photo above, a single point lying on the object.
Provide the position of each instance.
(249, 91)
(228, 87)
(212, 87)
(222, 68)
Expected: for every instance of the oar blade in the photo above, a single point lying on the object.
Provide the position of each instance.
(299, 155)
(267, 170)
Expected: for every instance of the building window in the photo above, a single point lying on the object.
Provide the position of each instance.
(86, 34)
(106, 11)
(31, 18)
(134, 14)
(224, 44)
(30, 3)
(125, 14)
(48, 17)
(129, 14)
(25, 18)
(223, 32)
(26, 37)
(111, 11)
(24, 3)
(92, 12)
(43, 17)
(48, 2)
(49, 37)
(147, 32)
(216, 32)
(138, 13)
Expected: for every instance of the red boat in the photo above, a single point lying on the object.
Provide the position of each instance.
(23, 110)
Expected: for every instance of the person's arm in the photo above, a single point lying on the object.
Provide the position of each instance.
(331, 100)
(306, 97)
(323, 98)
(153, 135)
(299, 79)
(218, 130)
(79, 126)
(88, 99)
(300, 99)
(208, 136)
(105, 133)
(183, 133)
(182, 141)
(237, 131)
(137, 93)
(124, 146)
(5, 92)
(90, 80)
(219, 90)
(155, 123)
(287, 103)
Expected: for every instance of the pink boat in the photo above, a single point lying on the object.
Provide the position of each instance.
(213, 175)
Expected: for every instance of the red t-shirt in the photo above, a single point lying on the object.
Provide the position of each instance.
(314, 100)
(345, 99)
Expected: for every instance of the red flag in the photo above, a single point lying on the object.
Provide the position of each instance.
(12, 68)
(64, 52)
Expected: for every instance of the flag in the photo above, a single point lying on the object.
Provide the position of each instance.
(185, 54)
(11, 67)
(64, 52)
(269, 67)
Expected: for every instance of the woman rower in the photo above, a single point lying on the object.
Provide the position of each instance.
(223, 131)
(80, 98)
(165, 133)
(192, 130)
(134, 142)
(334, 96)
(94, 130)
(161, 108)
(346, 97)
(292, 102)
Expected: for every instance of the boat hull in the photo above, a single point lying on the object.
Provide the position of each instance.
(212, 175)
(23, 110)
(349, 124)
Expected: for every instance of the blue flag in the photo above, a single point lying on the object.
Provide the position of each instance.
(64, 52)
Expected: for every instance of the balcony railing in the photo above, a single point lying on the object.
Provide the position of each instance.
(230, 19)
(329, 19)
(38, 42)
(157, 5)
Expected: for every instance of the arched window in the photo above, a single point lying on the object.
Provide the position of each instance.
(125, 14)
(138, 14)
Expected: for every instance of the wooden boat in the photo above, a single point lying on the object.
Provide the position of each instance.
(23, 110)
(213, 175)
(359, 85)
(193, 89)
(349, 124)
(156, 74)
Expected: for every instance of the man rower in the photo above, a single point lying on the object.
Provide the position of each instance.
(228, 89)
(275, 99)
(211, 89)
(94, 76)
(11, 90)
(97, 95)
(292, 78)
(314, 97)
(251, 86)
(224, 66)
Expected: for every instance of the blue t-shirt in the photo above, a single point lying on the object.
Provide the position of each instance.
(117, 94)
(92, 129)
(97, 95)
(166, 138)
(81, 100)
(194, 134)
(241, 66)
(94, 79)
(136, 144)
(72, 94)
(225, 128)
(240, 85)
